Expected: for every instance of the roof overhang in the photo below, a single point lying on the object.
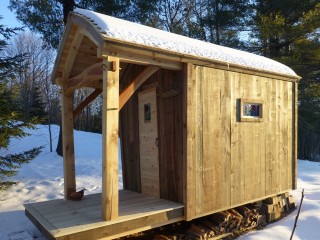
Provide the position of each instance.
(80, 27)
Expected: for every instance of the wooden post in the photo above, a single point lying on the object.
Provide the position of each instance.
(191, 155)
(110, 124)
(68, 145)
(295, 136)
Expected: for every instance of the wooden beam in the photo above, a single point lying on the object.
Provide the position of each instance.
(90, 74)
(78, 37)
(139, 54)
(125, 94)
(97, 84)
(191, 155)
(130, 54)
(87, 101)
(135, 84)
(68, 145)
(110, 125)
(295, 136)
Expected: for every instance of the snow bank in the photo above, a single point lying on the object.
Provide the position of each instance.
(309, 218)
(42, 179)
(136, 33)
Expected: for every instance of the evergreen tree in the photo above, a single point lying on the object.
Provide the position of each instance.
(49, 17)
(288, 31)
(281, 24)
(28, 82)
(9, 124)
(37, 108)
(221, 21)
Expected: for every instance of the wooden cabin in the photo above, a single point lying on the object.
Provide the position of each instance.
(203, 128)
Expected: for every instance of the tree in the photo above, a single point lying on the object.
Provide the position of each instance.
(280, 24)
(51, 94)
(35, 93)
(288, 31)
(27, 78)
(9, 124)
(217, 21)
(221, 21)
(49, 17)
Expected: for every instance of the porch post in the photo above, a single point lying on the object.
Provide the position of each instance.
(68, 145)
(110, 124)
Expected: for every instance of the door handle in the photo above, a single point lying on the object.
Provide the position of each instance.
(156, 142)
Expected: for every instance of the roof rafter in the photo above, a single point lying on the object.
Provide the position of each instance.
(135, 84)
(76, 42)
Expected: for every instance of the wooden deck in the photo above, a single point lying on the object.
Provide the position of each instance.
(77, 220)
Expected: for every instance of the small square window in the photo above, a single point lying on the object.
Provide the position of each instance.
(251, 110)
(147, 113)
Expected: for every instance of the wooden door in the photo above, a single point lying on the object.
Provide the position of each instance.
(148, 137)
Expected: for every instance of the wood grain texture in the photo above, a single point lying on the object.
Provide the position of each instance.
(135, 84)
(68, 145)
(92, 73)
(71, 55)
(236, 169)
(235, 162)
(170, 127)
(170, 135)
(61, 219)
(129, 133)
(86, 56)
(110, 116)
(148, 138)
(295, 135)
(184, 103)
(191, 130)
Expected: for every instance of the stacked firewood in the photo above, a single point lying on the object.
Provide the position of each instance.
(235, 221)
(220, 224)
(278, 205)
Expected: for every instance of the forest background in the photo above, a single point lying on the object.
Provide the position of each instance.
(287, 31)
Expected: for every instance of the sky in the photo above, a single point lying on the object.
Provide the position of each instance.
(9, 18)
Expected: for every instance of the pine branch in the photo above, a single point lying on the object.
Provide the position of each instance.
(10, 162)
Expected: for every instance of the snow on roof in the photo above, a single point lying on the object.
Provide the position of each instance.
(139, 34)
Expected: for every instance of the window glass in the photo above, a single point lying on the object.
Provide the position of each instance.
(147, 113)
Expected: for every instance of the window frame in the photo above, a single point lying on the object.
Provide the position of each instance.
(244, 118)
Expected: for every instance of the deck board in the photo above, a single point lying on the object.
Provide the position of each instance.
(65, 219)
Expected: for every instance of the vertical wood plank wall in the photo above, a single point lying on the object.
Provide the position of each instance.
(129, 133)
(170, 136)
(231, 162)
(170, 129)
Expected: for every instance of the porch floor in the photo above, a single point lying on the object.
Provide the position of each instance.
(77, 220)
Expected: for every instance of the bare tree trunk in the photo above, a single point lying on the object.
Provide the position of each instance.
(59, 146)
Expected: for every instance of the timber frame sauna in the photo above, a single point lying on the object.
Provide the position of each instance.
(199, 134)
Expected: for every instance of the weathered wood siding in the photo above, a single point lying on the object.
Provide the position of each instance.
(170, 136)
(129, 133)
(231, 162)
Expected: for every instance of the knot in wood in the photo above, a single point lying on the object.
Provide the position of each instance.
(111, 82)
(114, 136)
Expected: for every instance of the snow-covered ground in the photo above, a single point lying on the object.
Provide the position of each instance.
(42, 180)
